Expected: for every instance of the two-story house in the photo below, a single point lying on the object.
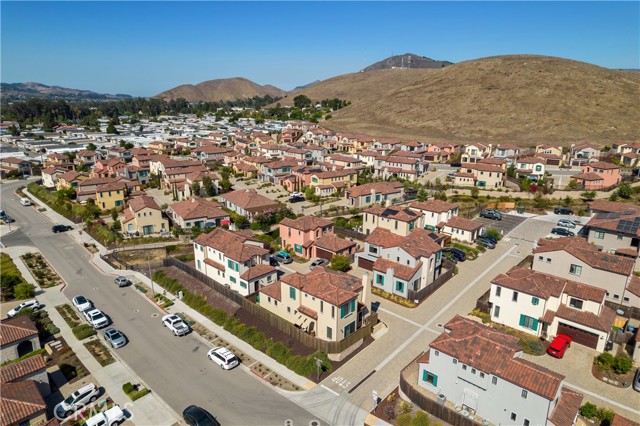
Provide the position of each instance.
(615, 227)
(50, 176)
(531, 167)
(436, 212)
(247, 202)
(482, 371)
(397, 219)
(374, 193)
(300, 234)
(474, 152)
(18, 166)
(86, 157)
(582, 153)
(462, 229)
(328, 304)
(234, 259)
(143, 216)
(545, 305)
(482, 175)
(198, 212)
(598, 175)
(506, 150)
(575, 259)
(326, 183)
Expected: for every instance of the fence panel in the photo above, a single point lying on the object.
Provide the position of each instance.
(436, 284)
(627, 311)
(350, 233)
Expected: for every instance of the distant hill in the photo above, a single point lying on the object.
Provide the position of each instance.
(522, 99)
(408, 60)
(304, 86)
(225, 89)
(23, 91)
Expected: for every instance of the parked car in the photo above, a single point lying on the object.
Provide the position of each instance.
(223, 357)
(566, 223)
(8, 219)
(283, 257)
(457, 254)
(77, 400)
(491, 238)
(82, 303)
(559, 345)
(60, 228)
(297, 194)
(2, 213)
(562, 231)
(96, 318)
(25, 201)
(174, 323)
(34, 305)
(486, 243)
(122, 281)
(318, 262)
(491, 214)
(295, 199)
(196, 416)
(272, 261)
(112, 417)
(563, 210)
(115, 338)
(636, 380)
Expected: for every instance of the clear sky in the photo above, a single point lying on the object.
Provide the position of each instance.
(143, 48)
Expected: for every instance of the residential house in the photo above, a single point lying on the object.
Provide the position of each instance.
(33, 368)
(198, 212)
(531, 167)
(396, 166)
(598, 175)
(582, 153)
(19, 337)
(343, 161)
(482, 371)
(575, 259)
(59, 160)
(436, 212)
(373, 193)
(276, 170)
(210, 153)
(329, 245)
(247, 202)
(112, 195)
(234, 259)
(614, 227)
(301, 233)
(327, 183)
(50, 176)
(119, 152)
(143, 216)
(507, 151)
(462, 229)
(86, 158)
(331, 305)
(545, 148)
(162, 147)
(545, 305)
(22, 404)
(474, 152)
(70, 179)
(17, 166)
(484, 176)
(397, 219)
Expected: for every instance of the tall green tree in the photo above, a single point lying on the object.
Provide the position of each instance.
(301, 101)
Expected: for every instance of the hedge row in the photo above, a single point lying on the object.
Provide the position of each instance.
(83, 331)
(302, 365)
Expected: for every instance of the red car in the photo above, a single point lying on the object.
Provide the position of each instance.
(559, 345)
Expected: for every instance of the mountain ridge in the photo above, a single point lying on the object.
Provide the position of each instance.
(22, 91)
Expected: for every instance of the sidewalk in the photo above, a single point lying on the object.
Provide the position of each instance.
(147, 411)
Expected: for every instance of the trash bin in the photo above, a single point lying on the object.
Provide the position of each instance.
(520, 209)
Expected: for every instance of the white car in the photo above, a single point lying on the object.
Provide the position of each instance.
(25, 201)
(566, 223)
(175, 324)
(223, 357)
(77, 401)
(82, 303)
(96, 318)
(112, 417)
(29, 304)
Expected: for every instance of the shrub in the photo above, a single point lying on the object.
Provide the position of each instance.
(605, 415)
(24, 291)
(421, 419)
(406, 407)
(278, 351)
(622, 364)
(138, 394)
(404, 419)
(588, 410)
(604, 361)
(83, 331)
(493, 232)
(128, 388)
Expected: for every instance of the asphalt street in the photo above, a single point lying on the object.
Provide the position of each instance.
(176, 368)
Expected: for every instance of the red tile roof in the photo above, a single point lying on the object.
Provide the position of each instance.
(403, 214)
(436, 206)
(464, 224)
(306, 223)
(308, 312)
(566, 410)
(602, 322)
(138, 203)
(634, 285)
(400, 271)
(606, 206)
(234, 245)
(333, 287)
(218, 266)
(383, 188)
(16, 370)
(16, 329)
(20, 401)
(618, 420)
(250, 200)
(333, 243)
(273, 290)
(196, 208)
(257, 271)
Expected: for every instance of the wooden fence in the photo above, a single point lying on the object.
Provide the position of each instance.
(248, 303)
(436, 284)
(628, 311)
(349, 233)
(483, 304)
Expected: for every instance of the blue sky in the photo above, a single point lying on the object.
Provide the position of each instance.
(143, 48)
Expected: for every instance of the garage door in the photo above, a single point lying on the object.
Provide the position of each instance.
(365, 264)
(578, 335)
(323, 254)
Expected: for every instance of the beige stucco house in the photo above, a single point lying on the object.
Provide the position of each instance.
(143, 216)
(397, 219)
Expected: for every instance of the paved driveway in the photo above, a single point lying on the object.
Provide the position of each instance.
(508, 223)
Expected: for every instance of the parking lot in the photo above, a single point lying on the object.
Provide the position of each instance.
(506, 225)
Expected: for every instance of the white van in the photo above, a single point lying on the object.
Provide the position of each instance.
(25, 201)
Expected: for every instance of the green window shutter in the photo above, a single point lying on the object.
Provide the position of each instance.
(353, 306)
(229, 264)
(292, 293)
(424, 375)
(522, 320)
(343, 310)
(535, 324)
(237, 267)
(435, 380)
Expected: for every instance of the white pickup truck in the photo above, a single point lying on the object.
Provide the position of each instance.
(112, 417)
(175, 324)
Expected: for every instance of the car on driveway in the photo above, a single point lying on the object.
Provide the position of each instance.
(25, 201)
(196, 416)
(559, 345)
(491, 214)
(34, 305)
(115, 338)
(493, 239)
(77, 400)
(564, 223)
(296, 199)
(60, 228)
(272, 261)
(223, 357)
(318, 262)
(563, 231)
(283, 257)
(122, 281)
(111, 417)
(486, 243)
(82, 303)
(457, 254)
(96, 318)
(174, 323)
(563, 210)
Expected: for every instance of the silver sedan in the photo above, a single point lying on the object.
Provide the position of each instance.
(115, 338)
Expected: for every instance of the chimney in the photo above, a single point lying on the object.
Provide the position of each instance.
(366, 288)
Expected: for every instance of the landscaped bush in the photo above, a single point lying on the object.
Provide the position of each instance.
(604, 361)
(83, 331)
(589, 410)
(128, 388)
(605, 415)
(622, 364)
(24, 291)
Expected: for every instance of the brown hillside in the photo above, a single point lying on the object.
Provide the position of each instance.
(226, 89)
(521, 98)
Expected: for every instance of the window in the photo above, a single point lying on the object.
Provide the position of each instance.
(575, 303)
(373, 249)
(232, 265)
(535, 301)
(524, 394)
(494, 380)
(321, 306)
(292, 293)
(513, 416)
(329, 333)
(473, 371)
(496, 311)
(436, 353)
(297, 248)
(481, 375)
(515, 296)
(528, 322)
(400, 286)
(232, 279)
(599, 235)
(526, 422)
(575, 270)
(430, 378)
(288, 309)
(464, 367)
(548, 260)
(616, 297)
(455, 361)
(625, 299)
(498, 291)
(333, 311)
(379, 279)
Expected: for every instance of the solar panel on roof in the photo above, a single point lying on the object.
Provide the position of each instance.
(607, 215)
(630, 226)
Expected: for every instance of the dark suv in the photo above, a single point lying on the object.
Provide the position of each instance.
(562, 231)
(491, 214)
(60, 228)
(563, 210)
(457, 254)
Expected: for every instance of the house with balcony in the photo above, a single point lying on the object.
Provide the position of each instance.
(374, 193)
(545, 305)
(247, 202)
(436, 213)
(142, 216)
(598, 175)
(300, 234)
(399, 220)
(234, 259)
(197, 211)
(482, 372)
(330, 305)
(573, 258)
